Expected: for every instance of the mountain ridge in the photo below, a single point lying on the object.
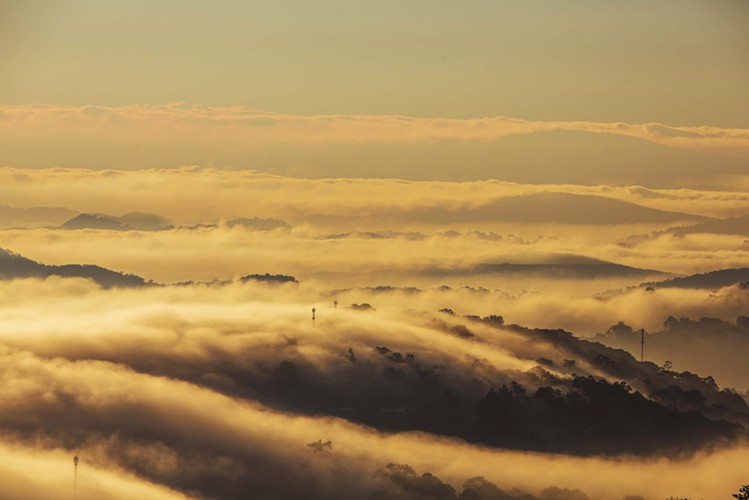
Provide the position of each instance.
(14, 265)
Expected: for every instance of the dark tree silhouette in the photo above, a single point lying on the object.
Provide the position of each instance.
(321, 447)
(743, 493)
(269, 278)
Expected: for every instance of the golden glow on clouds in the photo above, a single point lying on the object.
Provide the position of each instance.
(41, 473)
(221, 253)
(244, 127)
(195, 194)
(247, 124)
(408, 144)
(94, 359)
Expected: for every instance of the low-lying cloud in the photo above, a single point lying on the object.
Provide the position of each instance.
(190, 195)
(162, 384)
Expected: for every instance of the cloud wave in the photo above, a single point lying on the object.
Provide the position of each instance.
(248, 124)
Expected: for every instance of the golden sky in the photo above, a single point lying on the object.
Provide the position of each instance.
(583, 92)
(681, 62)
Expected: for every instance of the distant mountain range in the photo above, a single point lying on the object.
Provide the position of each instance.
(65, 218)
(132, 221)
(553, 266)
(737, 226)
(13, 265)
(711, 280)
(732, 225)
(16, 266)
(153, 222)
(565, 208)
(538, 208)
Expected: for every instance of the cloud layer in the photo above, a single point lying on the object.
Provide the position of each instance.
(500, 147)
(248, 124)
(195, 194)
(144, 383)
(214, 390)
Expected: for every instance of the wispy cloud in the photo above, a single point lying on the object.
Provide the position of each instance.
(194, 194)
(334, 146)
(248, 125)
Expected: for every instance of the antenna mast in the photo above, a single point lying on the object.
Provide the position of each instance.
(75, 477)
(642, 345)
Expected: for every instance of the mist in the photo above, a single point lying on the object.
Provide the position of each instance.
(374, 250)
(123, 378)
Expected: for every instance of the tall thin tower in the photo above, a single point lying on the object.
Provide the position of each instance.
(75, 477)
(642, 345)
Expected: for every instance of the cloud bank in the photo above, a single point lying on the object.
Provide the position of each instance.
(248, 124)
(139, 136)
(162, 385)
(198, 195)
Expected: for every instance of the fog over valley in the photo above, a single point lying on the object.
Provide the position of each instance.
(392, 250)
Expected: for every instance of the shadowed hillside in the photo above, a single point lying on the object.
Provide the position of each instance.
(13, 266)
(557, 266)
(708, 345)
(585, 399)
(131, 221)
(540, 208)
(711, 280)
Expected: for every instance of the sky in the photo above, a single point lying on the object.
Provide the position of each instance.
(681, 62)
(582, 92)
